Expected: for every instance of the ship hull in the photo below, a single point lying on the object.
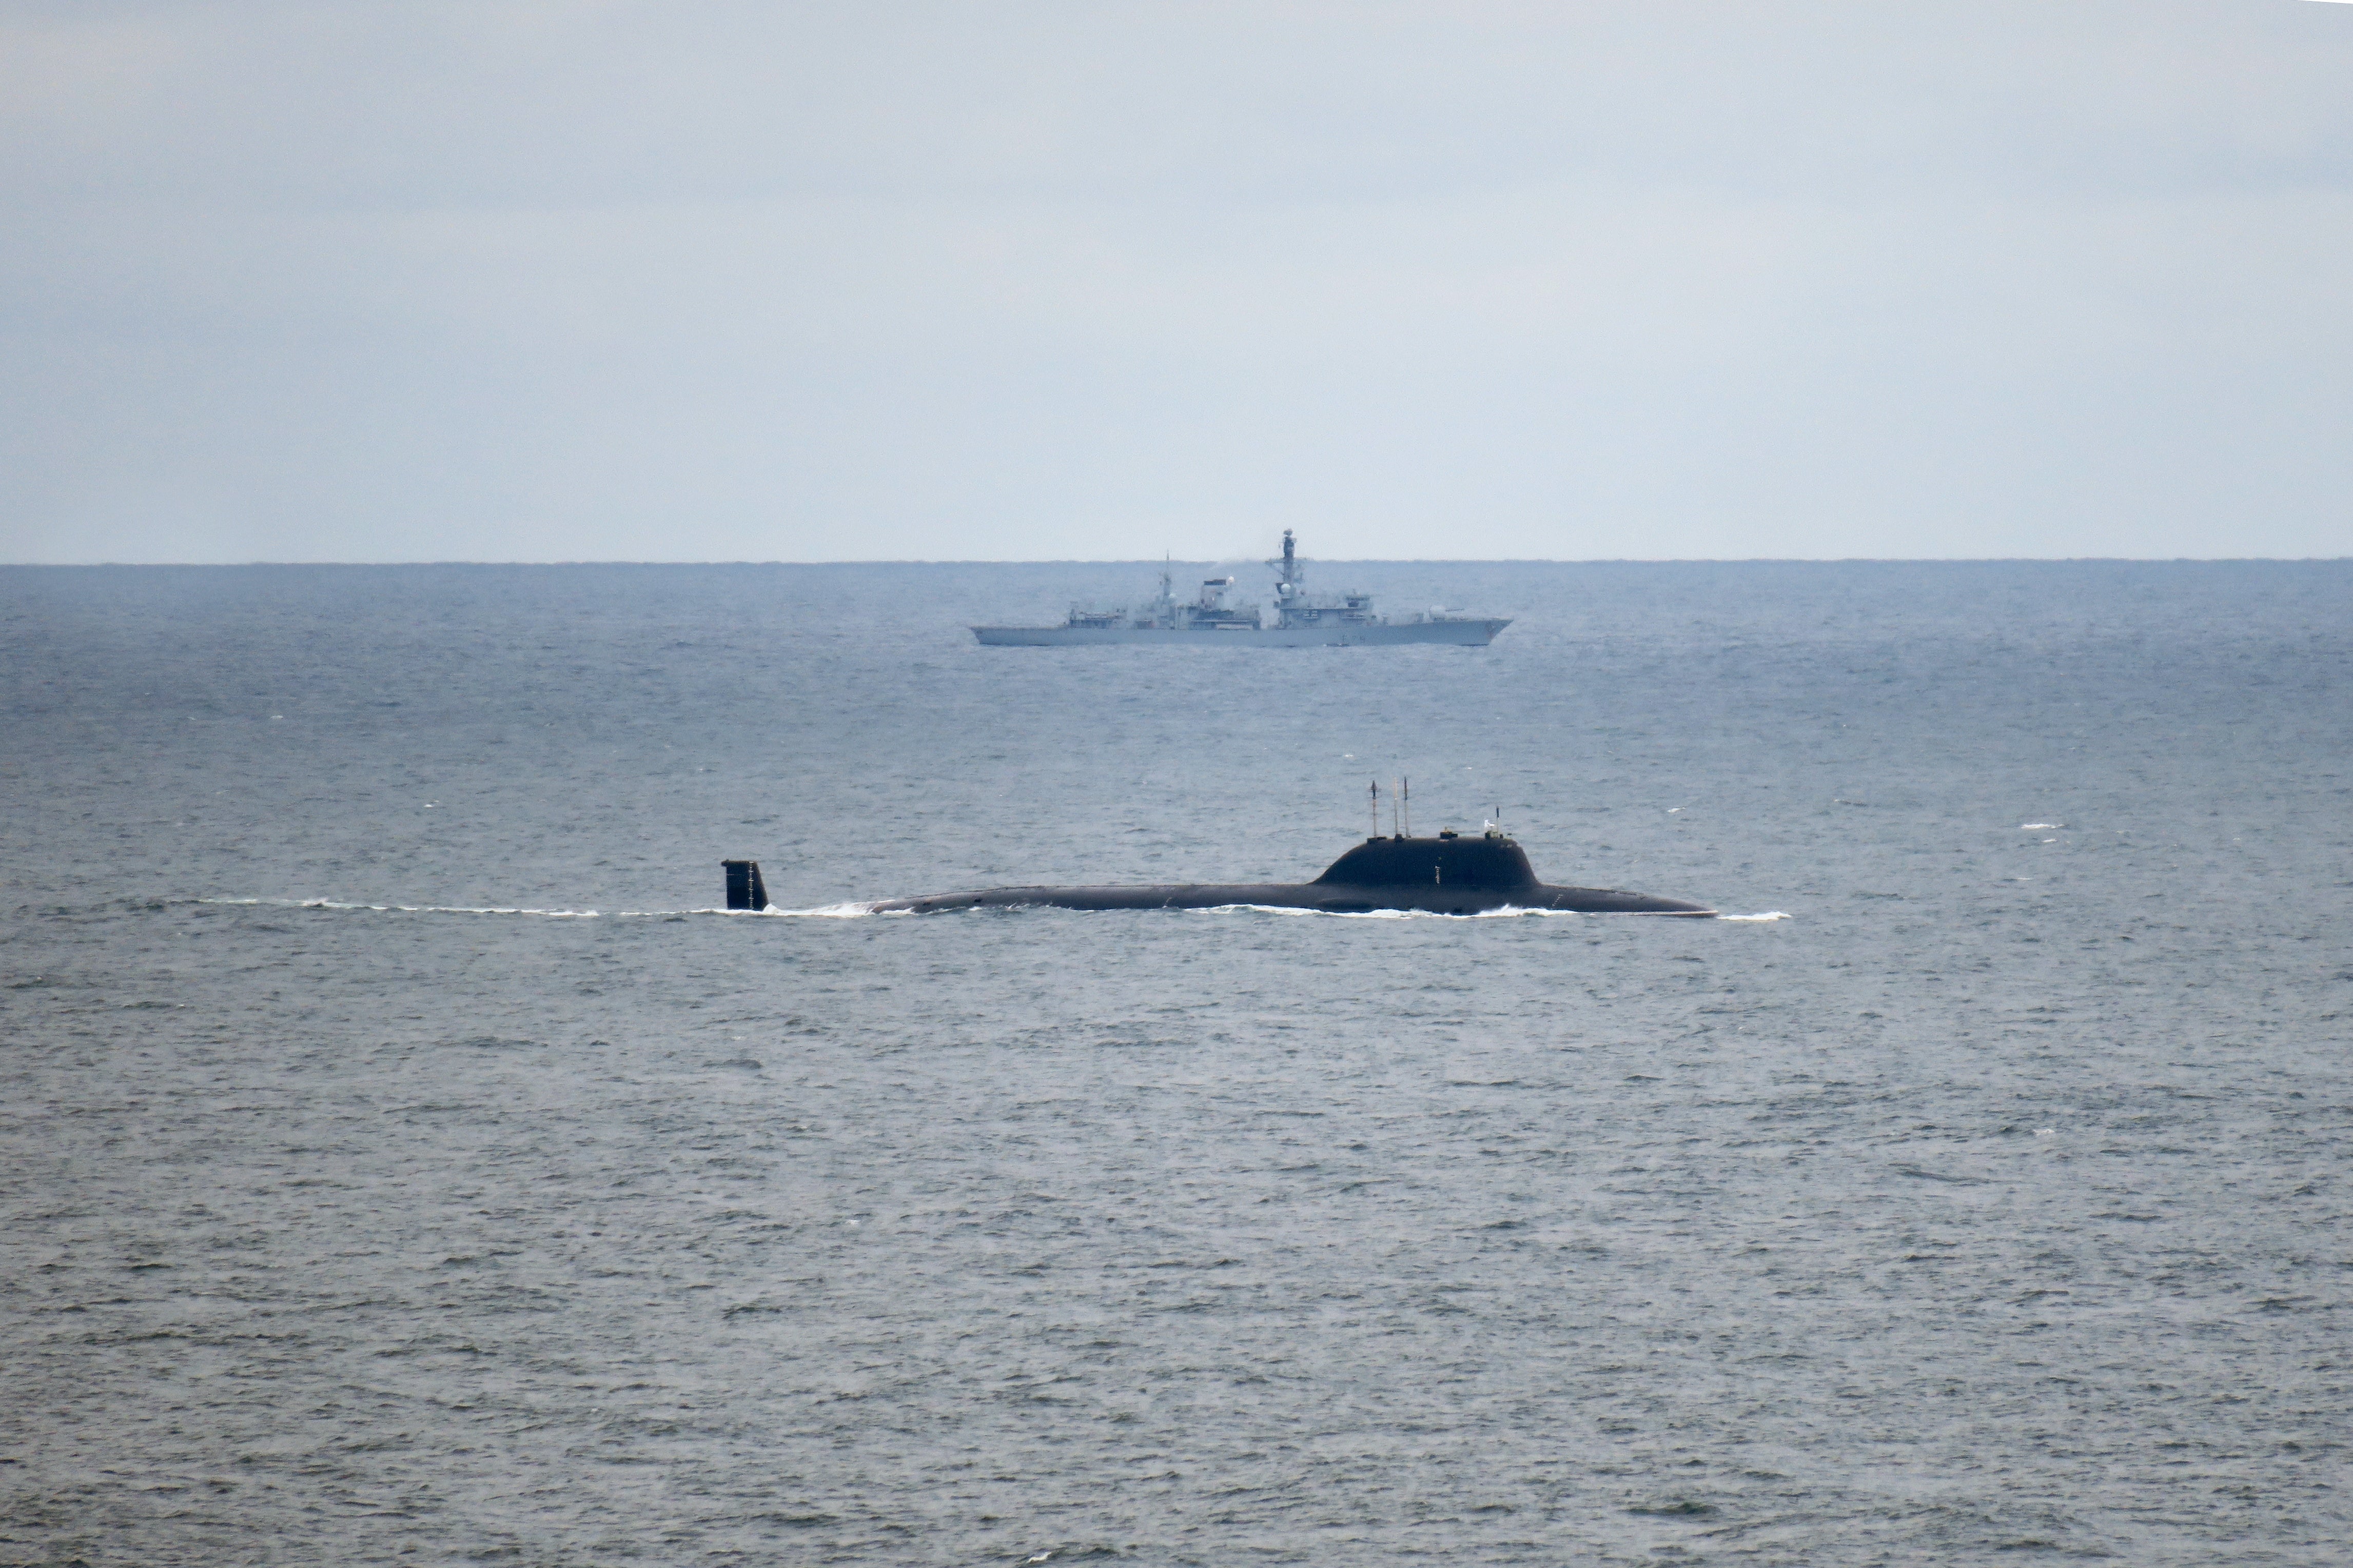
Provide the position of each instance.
(1322, 897)
(1466, 876)
(1451, 632)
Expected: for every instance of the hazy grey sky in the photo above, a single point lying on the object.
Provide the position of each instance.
(567, 281)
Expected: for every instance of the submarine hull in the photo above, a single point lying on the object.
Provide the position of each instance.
(1322, 897)
(1448, 875)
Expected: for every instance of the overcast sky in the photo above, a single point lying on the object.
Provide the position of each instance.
(1011, 281)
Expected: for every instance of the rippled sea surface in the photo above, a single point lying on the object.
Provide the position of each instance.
(400, 1163)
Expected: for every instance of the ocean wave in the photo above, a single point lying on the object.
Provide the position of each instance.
(842, 912)
(439, 908)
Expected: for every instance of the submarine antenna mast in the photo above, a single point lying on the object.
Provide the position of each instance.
(1377, 808)
(1405, 800)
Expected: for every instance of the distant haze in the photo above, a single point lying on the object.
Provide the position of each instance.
(551, 281)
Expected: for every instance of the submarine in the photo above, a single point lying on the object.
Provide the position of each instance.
(1451, 874)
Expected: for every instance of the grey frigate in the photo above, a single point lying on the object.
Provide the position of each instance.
(1300, 620)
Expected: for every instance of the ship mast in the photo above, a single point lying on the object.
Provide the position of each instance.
(1286, 571)
(1286, 580)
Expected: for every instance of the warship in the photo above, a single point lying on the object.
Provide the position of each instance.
(1301, 619)
(1451, 874)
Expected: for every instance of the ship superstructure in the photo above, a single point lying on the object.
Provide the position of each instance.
(1301, 619)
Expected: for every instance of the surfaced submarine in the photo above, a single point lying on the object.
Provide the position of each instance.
(1452, 874)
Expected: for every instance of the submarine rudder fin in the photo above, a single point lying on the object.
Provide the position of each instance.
(744, 888)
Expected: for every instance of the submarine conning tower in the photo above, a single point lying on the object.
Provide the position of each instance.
(1489, 862)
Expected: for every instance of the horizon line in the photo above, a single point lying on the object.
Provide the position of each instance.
(1229, 560)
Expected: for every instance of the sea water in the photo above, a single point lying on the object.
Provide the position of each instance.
(401, 1162)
